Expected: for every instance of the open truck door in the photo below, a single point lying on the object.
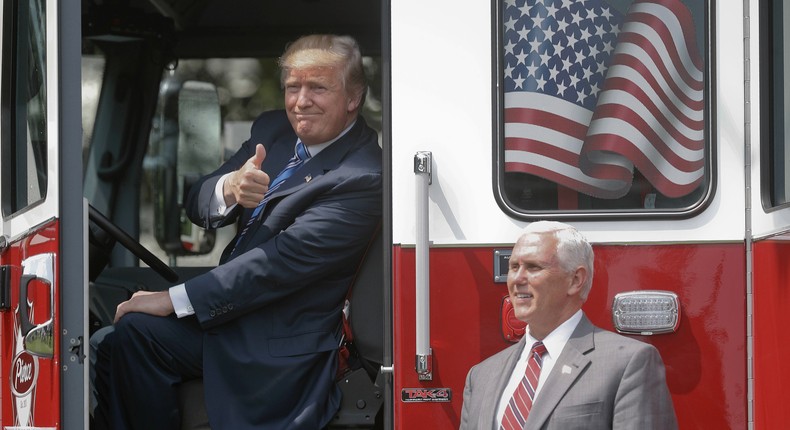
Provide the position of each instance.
(43, 218)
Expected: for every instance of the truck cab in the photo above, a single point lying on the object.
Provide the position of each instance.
(113, 109)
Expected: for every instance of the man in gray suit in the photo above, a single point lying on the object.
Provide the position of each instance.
(590, 378)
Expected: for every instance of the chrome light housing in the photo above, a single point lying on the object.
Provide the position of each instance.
(646, 312)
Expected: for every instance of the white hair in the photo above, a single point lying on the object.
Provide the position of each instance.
(573, 250)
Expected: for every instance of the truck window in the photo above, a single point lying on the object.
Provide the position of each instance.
(602, 107)
(24, 101)
(775, 46)
(92, 77)
(246, 87)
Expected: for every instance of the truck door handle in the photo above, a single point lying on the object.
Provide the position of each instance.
(38, 339)
(24, 308)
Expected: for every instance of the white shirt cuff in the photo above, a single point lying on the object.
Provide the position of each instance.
(181, 303)
(217, 206)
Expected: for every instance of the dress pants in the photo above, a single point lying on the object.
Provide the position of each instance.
(139, 365)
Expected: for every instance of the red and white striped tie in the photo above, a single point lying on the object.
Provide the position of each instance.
(520, 404)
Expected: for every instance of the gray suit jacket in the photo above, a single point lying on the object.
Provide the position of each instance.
(601, 380)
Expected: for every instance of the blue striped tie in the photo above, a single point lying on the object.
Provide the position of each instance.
(300, 156)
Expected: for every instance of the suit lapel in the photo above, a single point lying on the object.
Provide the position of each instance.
(314, 169)
(567, 369)
(326, 160)
(494, 391)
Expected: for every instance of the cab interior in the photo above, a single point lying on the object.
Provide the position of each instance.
(169, 88)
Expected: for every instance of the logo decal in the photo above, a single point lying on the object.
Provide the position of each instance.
(426, 395)
(24, 373)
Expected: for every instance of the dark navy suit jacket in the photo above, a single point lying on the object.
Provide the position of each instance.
(271, 312)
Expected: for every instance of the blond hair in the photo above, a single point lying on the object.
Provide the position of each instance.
(327, 50)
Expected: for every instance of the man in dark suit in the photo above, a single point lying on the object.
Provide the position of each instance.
(590, 378)
(262, 328)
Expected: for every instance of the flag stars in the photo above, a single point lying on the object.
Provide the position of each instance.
(553, 72)
(522, 58)
(562, 25)
(541, 83)
(509, 70)
(519, 81)
(574, 79)
(605, 13)
(510, 25)
(561, 88)
(535, 44)
(548, 34)
(567, 63)
(588, 73)
(525, 9)
(577, 18)
(524, 32)
(594, 51)
(572, 40)
(607, 47)
(594, 90)
(580, 96)
(510, 47)
(600, 31)
(557, 47)
(601, 67)
(532, 70)
(585, 35)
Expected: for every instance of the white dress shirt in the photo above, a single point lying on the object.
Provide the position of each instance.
(555, 343)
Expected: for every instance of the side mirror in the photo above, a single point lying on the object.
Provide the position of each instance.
(186, 143)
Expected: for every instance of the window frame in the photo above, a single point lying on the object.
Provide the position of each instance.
(498, 162)
(14, 115)
(767, 73)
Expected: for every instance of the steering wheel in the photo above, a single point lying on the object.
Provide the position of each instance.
(131, 244)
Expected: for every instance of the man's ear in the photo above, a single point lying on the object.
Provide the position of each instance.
(578, 278)
(354, 102)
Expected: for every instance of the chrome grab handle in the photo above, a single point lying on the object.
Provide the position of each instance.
(423, 358)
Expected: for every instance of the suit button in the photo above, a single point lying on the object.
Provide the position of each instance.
(211, 313)
(230, 307)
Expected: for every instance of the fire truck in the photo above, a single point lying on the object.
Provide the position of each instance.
(656, 127)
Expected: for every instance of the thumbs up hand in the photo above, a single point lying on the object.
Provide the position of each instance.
(247, 185)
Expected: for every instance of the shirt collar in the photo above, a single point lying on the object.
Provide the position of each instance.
(556, 340)
(318, 147)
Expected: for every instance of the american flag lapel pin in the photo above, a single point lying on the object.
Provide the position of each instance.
(308, 178)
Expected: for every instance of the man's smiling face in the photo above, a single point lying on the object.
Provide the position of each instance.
(317, 103)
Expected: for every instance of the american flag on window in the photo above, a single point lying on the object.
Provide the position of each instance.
(591, 93)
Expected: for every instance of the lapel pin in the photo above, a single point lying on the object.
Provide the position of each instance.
(308, 178)
(566, 370)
